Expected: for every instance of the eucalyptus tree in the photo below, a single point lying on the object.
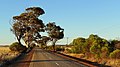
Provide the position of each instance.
(98, 46)
(79, 45)
(27, 25)
(54, 32)
(43, 41)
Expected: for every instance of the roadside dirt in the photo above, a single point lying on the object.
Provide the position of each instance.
(23, 61)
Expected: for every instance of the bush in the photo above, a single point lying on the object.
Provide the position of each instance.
(74, 49)
(60, 49)
(17, 47)
(104, 52)
(68, 50)
(115, 54)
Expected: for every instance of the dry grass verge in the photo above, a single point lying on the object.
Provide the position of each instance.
(109, 62)
(6, 54)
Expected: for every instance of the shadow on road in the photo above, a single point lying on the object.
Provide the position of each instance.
(44, 61)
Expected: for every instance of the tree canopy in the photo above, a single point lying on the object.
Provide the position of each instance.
(55, 32)
(27, 26)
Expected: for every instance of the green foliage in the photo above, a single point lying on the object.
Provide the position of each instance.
(95, 49)
(78, 45)
(97, 45)
(27, 25)
(75, 49)
(90, 42)
(112, 44)
(117, 46)
(104, 52)
(17, 47)
(55, 32)
(43, 41)
(115, 54)
(104, 49)
(92, 45)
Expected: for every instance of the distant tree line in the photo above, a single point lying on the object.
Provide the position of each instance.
(95, 46)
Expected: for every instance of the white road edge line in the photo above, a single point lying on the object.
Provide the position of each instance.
(57, 64)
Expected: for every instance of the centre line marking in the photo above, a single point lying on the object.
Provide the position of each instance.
(57, 64)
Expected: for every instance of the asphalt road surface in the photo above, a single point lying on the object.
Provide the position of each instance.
(43, 58)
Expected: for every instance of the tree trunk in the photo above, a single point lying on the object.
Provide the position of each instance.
(18, 38)
(54, 41)
(19, 41)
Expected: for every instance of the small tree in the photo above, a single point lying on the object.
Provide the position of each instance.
(55, 32)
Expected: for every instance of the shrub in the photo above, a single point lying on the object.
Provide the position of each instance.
(104, 52)
(60, 49)
(75, 49)
(17, 47)
(68, 50)
(115, 54)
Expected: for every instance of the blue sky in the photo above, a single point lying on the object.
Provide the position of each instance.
(79, 18)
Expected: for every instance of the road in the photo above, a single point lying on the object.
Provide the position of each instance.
(43, 58)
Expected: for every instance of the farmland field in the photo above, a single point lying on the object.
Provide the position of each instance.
(6, 54)
(4, 49)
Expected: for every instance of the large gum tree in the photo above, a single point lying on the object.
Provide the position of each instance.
(27, 26)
